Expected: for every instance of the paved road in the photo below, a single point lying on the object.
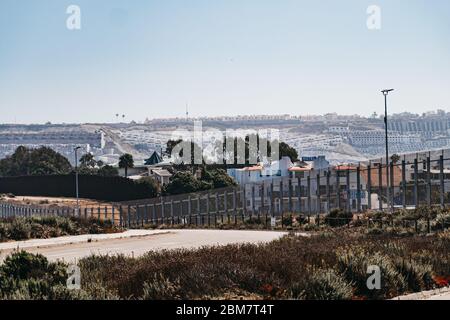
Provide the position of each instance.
(137, 243)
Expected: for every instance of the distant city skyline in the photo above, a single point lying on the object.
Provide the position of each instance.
(148, 59)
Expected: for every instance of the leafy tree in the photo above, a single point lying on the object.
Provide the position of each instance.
(126, 161)
(151, 184)
(185, 182)
(195, 148)
(395, 158)
(284, 149)
(40, 161)
(87, 160)
(170, 145)
(108, 171)
(287, 151)
(218, 178)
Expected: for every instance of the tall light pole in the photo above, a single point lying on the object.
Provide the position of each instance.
(76, 178)
(385, 93)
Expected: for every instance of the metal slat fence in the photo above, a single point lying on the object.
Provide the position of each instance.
(413, 180)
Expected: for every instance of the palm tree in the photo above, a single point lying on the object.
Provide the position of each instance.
(87, 160)
(395, 158)
(126, 161)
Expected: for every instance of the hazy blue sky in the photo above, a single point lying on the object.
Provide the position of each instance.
(223, 57)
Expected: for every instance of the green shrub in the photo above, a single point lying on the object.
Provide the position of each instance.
(28, 276)
(161, 288)
(287, 221)
(338, 217)
(322, 284)
(417, 276)
(353, 264)
(20, 229)
(4, 232)
(441, 222)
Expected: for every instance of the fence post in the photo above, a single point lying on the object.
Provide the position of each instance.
(217, 209)
(369, 186)
(416, 181)
(199, 211)
(358, 188)
(272, 211)
(154, 220)
(244, 200)
(404, 184)
(120, 216)
(428, 181)
(290, 195)
(281, 198)
(235, 203)
(308, 186)
(208, 209)
(441, 178)
(338, 189)
(171, 211)
(225, 203)
(348, 190)
(261, 207)
(299, 194)
(391, 185)
(129, 216)
(146, 213)
(253, 201)
(328, 173)
(162, 210)
(318, 206)
(113, 218)
(380, 186)
(137, 215)
(189, 206)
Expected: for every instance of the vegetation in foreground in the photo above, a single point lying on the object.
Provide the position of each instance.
(330, 265)
(402, 222)
(23, 228)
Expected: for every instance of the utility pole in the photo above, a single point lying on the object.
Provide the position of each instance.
(388, 197)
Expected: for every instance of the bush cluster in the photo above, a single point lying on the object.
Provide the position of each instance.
(325, 266)
(23, 228)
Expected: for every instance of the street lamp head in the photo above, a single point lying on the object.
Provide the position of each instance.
(386, 91)
(76, 148)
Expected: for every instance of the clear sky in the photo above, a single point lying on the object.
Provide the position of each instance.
(147, 58)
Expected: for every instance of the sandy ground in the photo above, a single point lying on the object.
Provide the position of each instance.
(71, 249)
(51, 201)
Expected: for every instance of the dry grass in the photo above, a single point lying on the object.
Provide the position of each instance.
(324, 266)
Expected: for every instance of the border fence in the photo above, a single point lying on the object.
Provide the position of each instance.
(406, 182)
